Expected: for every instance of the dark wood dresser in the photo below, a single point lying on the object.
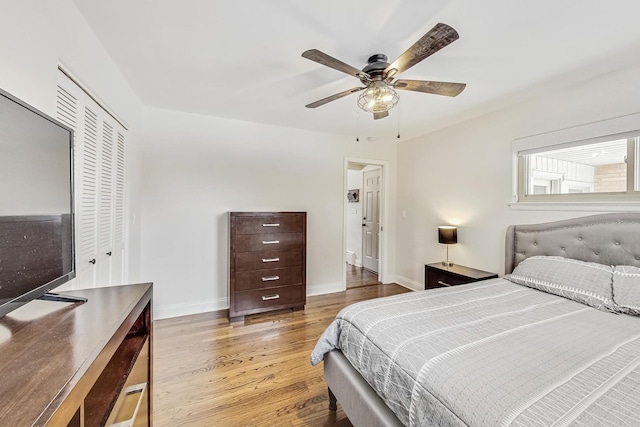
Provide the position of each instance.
(267, 262)
(79, 365)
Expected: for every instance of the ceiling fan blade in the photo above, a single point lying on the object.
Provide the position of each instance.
(329, 61)
(382, 115)
(436, 88)
(438, 37)
(334, 97)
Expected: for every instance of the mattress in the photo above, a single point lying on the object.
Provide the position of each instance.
(492, 353)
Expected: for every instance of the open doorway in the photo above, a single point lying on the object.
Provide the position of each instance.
(363, 224)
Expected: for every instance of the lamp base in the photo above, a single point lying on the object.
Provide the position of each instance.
(447, 263)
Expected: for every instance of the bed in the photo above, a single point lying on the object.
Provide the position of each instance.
(497, 352)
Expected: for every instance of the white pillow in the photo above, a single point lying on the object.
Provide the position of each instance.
(585, 282)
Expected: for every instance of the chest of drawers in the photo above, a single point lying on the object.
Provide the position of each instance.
(267, 262)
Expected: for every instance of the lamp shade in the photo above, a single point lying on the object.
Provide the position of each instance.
(448, 235)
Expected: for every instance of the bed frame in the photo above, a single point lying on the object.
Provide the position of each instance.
(612, 239)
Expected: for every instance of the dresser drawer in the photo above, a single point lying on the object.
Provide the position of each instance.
(259, 279)
(269, 224)
(268, 259)
(269, 298)
(438, 279)
(269, 241)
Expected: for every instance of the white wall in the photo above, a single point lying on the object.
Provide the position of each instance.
(354, 216)
(35, 37)
(462, 175)
(197, 168)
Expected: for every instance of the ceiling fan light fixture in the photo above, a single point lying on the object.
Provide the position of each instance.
(378, 98)
(377, 93)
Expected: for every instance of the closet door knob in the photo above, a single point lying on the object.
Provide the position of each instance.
(109, 253)
(92, 261)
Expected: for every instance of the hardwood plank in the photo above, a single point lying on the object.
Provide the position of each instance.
(359, 276)
(209, 372)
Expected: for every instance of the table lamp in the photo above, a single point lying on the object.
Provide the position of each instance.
(447, 235)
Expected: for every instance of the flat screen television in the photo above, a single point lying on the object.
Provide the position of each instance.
(36, 203)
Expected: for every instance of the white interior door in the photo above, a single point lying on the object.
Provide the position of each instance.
(371, 219)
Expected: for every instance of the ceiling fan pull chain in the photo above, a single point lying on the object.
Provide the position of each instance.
(398, 115)
(357, 126)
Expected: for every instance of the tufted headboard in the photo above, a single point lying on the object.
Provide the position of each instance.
(611, 239)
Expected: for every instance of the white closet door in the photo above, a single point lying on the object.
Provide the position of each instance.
(99, 150)
(117, 270)
(88, 175)
(105, 207)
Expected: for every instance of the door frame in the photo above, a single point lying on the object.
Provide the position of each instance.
(384, 217)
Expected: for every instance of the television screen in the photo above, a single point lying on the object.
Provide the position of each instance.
(36, 203)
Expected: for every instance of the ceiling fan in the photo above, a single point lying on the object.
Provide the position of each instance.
(378, 75)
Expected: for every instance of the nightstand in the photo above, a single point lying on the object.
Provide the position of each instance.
(438, 275)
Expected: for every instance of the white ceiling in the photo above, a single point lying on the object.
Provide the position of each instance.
(241, 59)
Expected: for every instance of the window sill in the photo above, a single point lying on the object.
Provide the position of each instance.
(577, 206)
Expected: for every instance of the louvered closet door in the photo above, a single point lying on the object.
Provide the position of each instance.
(83, 120)
(99, 186)
(118, 244)
(87, 177)
(105, 207)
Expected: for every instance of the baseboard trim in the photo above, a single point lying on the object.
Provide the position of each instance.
(186, 309)
(177, 310)
(408, 283)
(328, 288)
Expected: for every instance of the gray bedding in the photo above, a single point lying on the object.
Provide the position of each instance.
(493, 353)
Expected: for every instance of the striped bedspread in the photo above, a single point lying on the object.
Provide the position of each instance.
(493, 353)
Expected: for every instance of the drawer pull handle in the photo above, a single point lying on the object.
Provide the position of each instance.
(268, 297)
(271, 225)
(270, 242)
(440, 282)
(270, 278)
(270, 259)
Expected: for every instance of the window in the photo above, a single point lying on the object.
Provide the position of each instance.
(592, 170)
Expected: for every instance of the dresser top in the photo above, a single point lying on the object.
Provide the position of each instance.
(461, 270)
(46, 347)
(265, 213)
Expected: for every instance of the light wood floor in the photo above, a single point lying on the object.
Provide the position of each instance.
(208, 373)
(359, 276)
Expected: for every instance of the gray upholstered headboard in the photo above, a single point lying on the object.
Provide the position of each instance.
(611, 239)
